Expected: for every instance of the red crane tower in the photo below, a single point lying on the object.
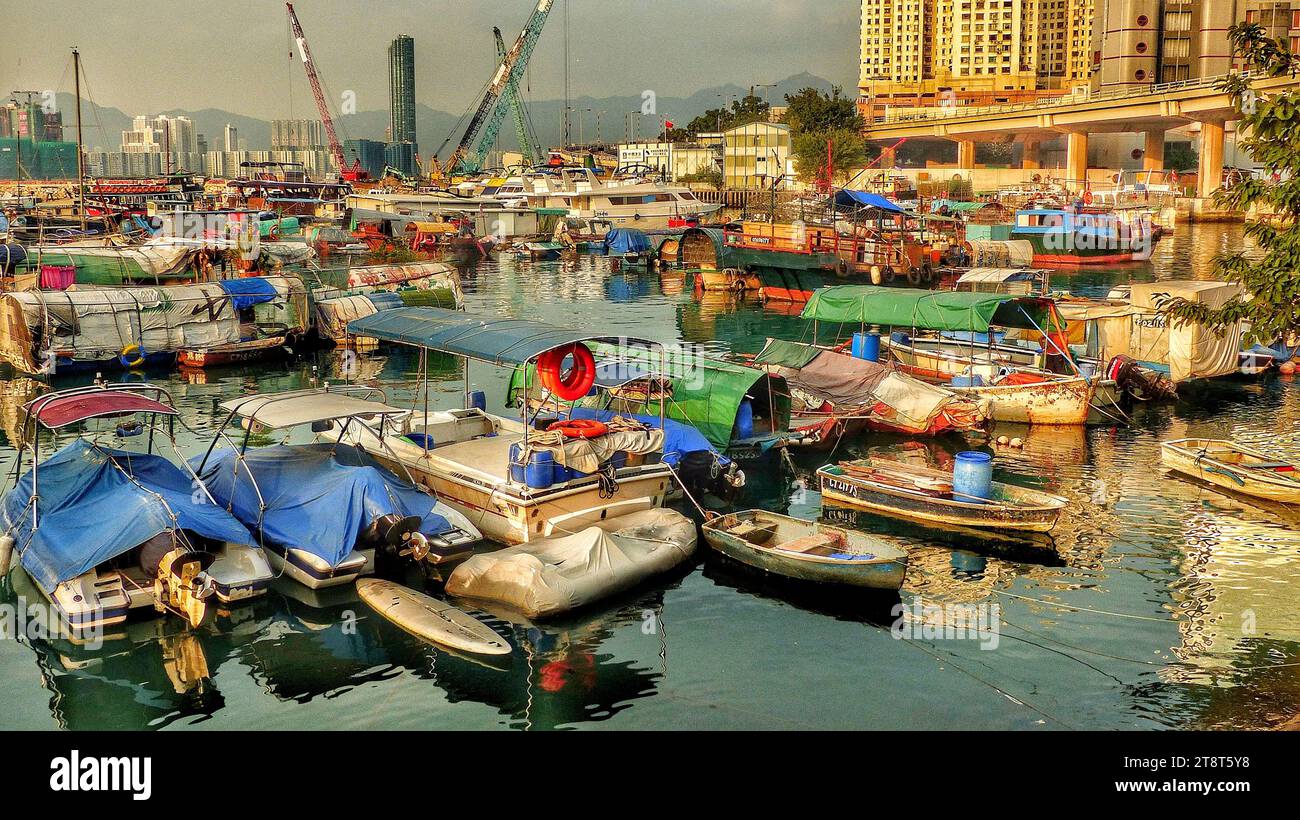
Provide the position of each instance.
(353, 173)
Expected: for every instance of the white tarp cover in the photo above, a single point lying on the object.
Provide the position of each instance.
(97, 323)
(333, 315)
(1138, 329)
(557, 575)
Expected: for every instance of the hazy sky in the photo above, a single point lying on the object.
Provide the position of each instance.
(148, 55)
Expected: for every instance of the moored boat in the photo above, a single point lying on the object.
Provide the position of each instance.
(500, 472)
(898, 489)
(112, 530)
(1234, 467)
(1036, 396)
(807, 550)
(556, 575)
(324, 511)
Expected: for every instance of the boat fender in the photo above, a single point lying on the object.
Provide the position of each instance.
(887, 274)
(6, 553)
(579, 428)
(914, 276)
(131, 356)
(580, 378)
(927, 273)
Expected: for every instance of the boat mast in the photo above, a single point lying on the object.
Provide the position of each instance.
(81, 168)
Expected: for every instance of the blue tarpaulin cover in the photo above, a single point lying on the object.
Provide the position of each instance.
(626, 240)
(91, 511)
(319, 497)
(679, 439)
(866, 199)
(245, 293)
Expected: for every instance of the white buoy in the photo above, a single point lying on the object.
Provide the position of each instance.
(6, 553)
(1003, 440)
(1015, 442)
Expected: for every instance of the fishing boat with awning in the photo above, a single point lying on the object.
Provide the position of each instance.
(1014, 393)
(515, 482)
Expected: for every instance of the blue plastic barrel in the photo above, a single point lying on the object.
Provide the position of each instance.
(967, 381)
(900, 337)
(540, 472)
(422, 440)
(866, 346)
(478, 400)
(972, 475)
(517, 464)
(744, 420)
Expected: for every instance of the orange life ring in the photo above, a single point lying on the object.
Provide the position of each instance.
(578, 381)
(1087, 197)
(579, 428)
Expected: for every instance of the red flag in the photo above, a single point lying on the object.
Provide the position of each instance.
(668, 123)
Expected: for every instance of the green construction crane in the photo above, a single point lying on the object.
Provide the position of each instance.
(528, 145)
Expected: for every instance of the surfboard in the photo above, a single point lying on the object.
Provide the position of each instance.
(429, 618)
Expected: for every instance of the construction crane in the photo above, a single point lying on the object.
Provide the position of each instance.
(471, 151)
(528, 146)
(353, 173)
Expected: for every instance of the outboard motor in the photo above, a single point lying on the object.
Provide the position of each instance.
(396, 536)
(181, 583)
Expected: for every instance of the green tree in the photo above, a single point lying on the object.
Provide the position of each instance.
(810, 110)
(1271, 276)
(741, 112)
(1180, 156)
(848, 153)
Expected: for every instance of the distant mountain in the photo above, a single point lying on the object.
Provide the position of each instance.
(605, 117)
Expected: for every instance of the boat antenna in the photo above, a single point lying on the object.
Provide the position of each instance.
(81, 156)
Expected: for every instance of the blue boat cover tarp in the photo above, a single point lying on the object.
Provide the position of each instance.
(82, 485)
(319, 497)
(498, 341)
(679, 439)
(245, 293)
(626, 240)
(386, 300)
(866, 199)
(11, 255)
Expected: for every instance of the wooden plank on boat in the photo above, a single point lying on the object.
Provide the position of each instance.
(428, 618)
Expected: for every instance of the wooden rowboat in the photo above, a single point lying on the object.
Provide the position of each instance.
(922, 494)
(237, 353)
(1234, 467)
(807, 550)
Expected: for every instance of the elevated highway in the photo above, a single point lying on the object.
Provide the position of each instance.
(1151, 110)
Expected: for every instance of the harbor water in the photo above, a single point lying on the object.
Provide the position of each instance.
(1159, 604)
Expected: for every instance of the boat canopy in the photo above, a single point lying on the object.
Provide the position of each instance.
(62, 410)
(130, 497)
(929, 309)
(866, 199)
(283, 410)
(496, 341)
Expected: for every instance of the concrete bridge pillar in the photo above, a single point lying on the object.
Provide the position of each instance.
(1032, 158)
(1153, 152)
(888, 157)
(1209, 174)
(965, 154)
(1076, 160)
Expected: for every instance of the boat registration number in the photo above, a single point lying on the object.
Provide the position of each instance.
(842, 487)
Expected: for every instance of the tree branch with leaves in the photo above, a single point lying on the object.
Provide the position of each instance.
(1270, 274)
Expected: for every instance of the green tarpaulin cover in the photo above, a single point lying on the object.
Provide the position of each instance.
(787, 354)
(706, 392)
(926, 309)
